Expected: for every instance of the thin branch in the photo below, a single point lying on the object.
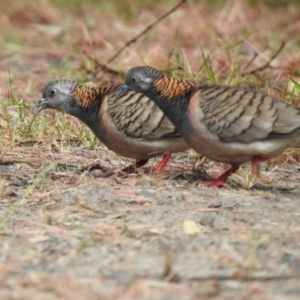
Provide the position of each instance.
(103, 67)
(249, 63)
(14, 162)
(267, 64)
(240, 276)
(144, 31)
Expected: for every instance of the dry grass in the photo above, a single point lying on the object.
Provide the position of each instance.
(65, 233)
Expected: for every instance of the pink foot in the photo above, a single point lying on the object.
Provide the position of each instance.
(163, 163)
(221, 180)
(255, 164)
(128, 170)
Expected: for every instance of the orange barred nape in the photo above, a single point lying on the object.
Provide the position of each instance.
(172, 87)
(86, 96)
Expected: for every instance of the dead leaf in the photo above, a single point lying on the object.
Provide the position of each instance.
(190, 227)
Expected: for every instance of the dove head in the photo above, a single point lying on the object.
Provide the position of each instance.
(141, 79)
(56, 95)
(152, 83)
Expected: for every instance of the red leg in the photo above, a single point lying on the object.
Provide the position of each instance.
(163, 163)
(131, 168)
(255, 164)
(128, 170)
(220, 181)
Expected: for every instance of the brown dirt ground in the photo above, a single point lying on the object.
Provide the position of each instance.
(70, 234)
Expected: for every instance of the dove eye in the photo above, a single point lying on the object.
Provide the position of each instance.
(52, 93)
(133, 79)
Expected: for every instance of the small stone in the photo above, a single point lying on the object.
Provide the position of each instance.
(124, 278)
(96, 173)
(144, 182)
(21, 183)
(215, 204)
(207, 220)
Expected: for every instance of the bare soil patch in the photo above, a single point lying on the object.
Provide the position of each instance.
(68, 233)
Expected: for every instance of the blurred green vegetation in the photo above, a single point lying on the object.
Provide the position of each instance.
(130, 6)
(126, 9)
(146, 3)
(129, 9)
(273, 3)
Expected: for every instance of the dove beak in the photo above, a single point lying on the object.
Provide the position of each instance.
(122, 91)
(40, 105)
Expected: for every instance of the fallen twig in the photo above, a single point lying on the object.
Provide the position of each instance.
(14, 162)
(144, 31)
(134, 199)
(103, 67)
(266, 65)
(241, 276)
(249, 63)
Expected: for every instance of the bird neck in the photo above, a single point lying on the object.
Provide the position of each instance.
(174, 108)
(173, 87)
(87, 102)
(88, 97)
(172, 96)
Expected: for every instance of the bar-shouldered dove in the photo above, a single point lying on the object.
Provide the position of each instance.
(224, 123)
(131, 125)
